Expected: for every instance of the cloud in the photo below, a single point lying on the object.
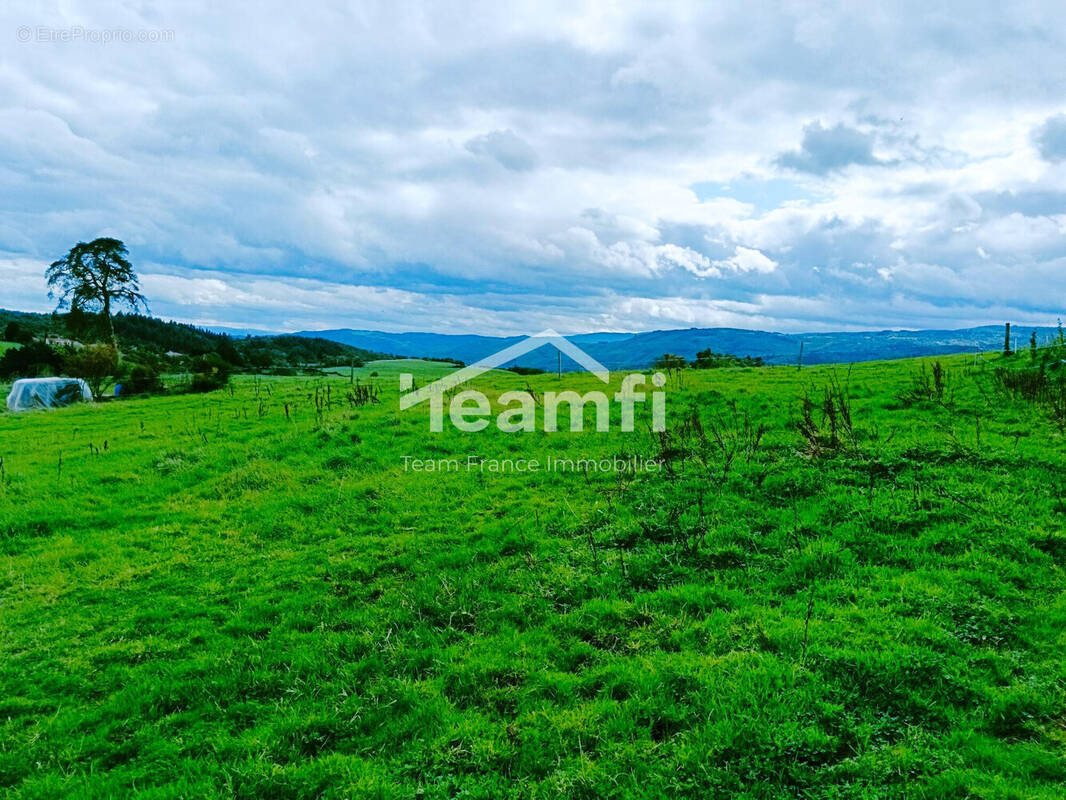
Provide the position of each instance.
(1050, 138)
(506, 147)
(684, 258)
(824, 150)
(743, 260)
(747, 259)
(396, 166)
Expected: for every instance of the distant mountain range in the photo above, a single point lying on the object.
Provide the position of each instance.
(637, 350)
(613, 350)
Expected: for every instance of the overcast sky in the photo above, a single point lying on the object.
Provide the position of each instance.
(503, 167)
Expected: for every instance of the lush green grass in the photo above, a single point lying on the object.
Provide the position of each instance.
(201, 596)
(391, 369)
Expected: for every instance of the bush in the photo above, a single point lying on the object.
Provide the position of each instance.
(670, 362)
(142, 379)
(210, 372)
(94, 364)
(32, 360)
(708, 359)
(927, 387)
(1020, 384)
(835, 429)
(1043, 386)
(14, 332)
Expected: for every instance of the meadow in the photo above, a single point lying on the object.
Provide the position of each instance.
(843, 583)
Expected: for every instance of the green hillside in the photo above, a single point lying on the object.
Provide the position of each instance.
(147, 338)
(842, 584)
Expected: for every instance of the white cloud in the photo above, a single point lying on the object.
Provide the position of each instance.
(527, 160)
(747, 259)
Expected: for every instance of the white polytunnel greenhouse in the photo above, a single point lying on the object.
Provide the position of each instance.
(29, 393)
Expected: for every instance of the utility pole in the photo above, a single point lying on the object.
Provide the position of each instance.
(1006, 341)
(799, 359)
(559, 369)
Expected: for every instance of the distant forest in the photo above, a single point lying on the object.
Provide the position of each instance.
(171, 346)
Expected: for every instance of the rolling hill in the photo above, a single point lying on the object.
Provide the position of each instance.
(157, 336)
(621, 350)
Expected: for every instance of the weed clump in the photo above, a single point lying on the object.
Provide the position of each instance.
(927, 386)
(827, 427)
(1043, 386)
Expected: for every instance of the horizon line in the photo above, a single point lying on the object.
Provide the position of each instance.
(255, 331)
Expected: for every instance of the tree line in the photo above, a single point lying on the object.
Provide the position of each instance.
(99, 334)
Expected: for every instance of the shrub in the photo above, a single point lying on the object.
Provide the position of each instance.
(927, 387)
(142, 379)
(1020, 384)
(708, 359)
(32, 360)
(94, 364)
(14, 332)
(210, 372)
(670, 362)
(1043, 386)
(1056, 400)
(835, 429)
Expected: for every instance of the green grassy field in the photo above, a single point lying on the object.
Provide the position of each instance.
(244, 594)
(390, 370)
